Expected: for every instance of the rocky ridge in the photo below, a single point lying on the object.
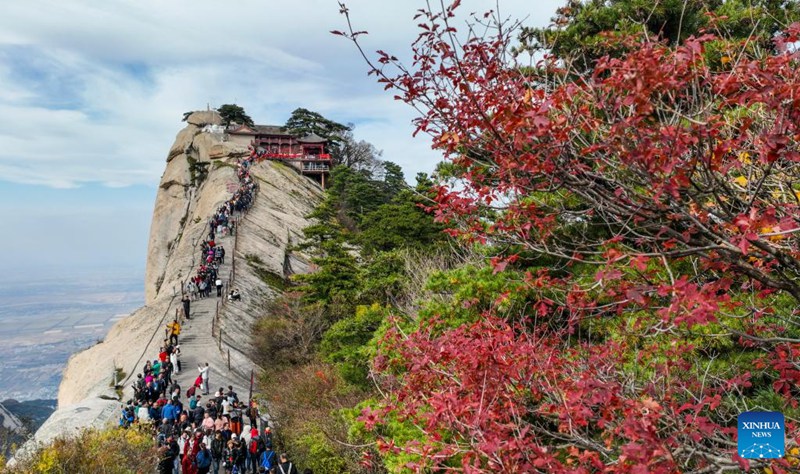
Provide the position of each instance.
(200, 175)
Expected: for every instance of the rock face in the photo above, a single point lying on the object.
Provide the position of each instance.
(9, 421)
(192, 187)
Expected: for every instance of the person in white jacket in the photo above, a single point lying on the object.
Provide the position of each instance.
(173, 358)
(143, 414)
(204, 375)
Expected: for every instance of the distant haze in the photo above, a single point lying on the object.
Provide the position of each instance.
(55, 232)
(45, 319)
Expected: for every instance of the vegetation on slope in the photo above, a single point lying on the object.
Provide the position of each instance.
(316, 342)
(622, 278)
(112, 451)
(639, 209)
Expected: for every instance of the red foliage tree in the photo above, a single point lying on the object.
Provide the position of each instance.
(676, 182)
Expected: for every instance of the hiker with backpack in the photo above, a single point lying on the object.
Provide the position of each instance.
(285, 467)
(128, 417)
(203, 459)
(255, 449)
(268, 459)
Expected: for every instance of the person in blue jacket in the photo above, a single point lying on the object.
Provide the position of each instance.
(203, 459)
(268, 460)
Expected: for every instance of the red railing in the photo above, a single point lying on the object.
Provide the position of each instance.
(295, 156)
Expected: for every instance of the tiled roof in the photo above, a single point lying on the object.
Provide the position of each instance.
(273, 130)
(312, 138)
(258, 129)
(270, 130)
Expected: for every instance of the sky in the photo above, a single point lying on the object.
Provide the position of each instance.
(92, 94)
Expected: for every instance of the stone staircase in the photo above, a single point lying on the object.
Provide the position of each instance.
(196, 341)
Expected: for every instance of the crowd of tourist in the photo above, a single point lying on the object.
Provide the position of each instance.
(198, 432)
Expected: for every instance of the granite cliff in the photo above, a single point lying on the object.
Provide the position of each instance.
(199, 176)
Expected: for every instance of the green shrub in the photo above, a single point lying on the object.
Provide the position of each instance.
(345, 343)
(316, 452)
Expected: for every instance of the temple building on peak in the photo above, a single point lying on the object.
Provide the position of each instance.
(306, 154)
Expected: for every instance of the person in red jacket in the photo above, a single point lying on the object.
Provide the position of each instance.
(189, 464)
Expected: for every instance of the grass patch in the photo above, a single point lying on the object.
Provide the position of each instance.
(219, 163)
(253, 259)
(198, 170)
(272, 279)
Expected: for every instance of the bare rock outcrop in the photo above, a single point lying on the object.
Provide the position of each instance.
(202, 118)
(199, 177)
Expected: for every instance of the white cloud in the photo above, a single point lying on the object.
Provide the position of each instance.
(93, 91)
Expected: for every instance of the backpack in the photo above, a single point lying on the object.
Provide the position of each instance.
(268, 459)
(190, 392)
(280, 466)
(253, 445)
(203, 458)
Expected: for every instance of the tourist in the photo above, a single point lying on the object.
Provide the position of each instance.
(143, 413)
(165, 463)
(174, 328)
(267, 460)
(186, 301)
(252, 414)
(268, 437)
(239, 451)
(208, 422)
(286, 467)
(204, 376)
(217, 452)
(203, 459)
(176, 363)
(169, 412)
(236, 418)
